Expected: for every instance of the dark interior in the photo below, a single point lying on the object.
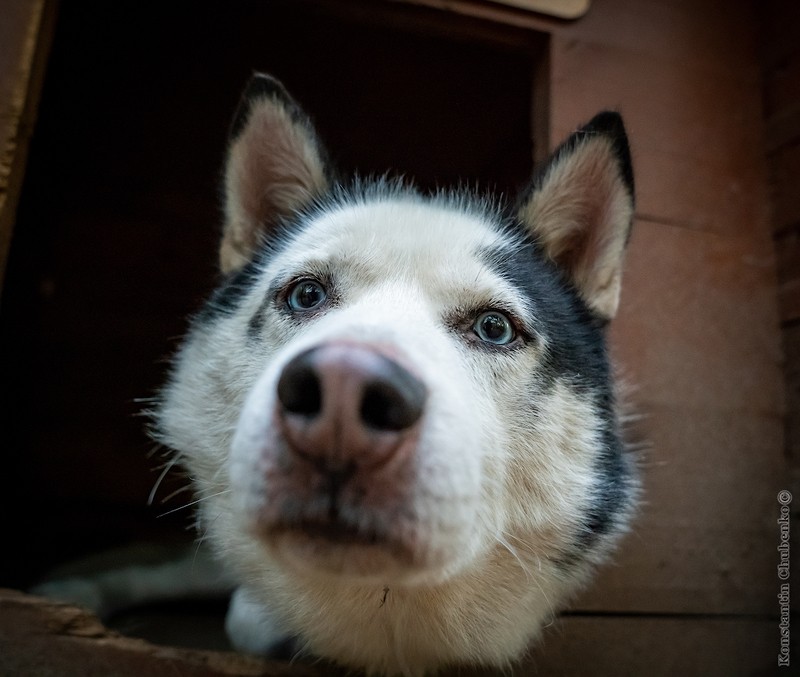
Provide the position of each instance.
(115, 242)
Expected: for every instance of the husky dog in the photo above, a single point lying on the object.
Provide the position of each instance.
(397, 408)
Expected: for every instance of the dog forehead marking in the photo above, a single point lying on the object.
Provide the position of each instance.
(419, 244)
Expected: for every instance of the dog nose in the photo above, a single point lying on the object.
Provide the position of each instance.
(345, 405)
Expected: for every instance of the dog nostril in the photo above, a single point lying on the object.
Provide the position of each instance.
(393, 404)
(364, 388)
(299, 390)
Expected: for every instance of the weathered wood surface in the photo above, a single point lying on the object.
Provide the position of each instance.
(48, 639)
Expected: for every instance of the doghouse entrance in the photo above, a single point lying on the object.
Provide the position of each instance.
(118, 222)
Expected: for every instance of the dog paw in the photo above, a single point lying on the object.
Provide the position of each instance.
(252, 628)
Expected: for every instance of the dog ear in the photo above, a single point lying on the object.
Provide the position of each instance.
(275, 167)
(580, 209)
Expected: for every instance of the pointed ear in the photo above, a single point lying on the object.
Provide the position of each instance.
(275, 167)
(580, 210)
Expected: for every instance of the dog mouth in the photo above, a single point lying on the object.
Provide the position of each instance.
(334, 532)
(340, 547)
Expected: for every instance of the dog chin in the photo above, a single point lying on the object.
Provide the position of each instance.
(344, 554)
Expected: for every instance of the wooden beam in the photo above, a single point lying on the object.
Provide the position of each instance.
(25, 36)
(562, 9)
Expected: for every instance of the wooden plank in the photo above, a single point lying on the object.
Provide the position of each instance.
(791, 342)
(784, 166)
(782, 83)
(25, 36)
(418, 18)
(787, 246)
(712, 122)
(562, 9)
(697, 336)
(696, 140)
(704, 541)
(783, 128)
(713, 35)
(698, 320)
(685, 75)
(707, 35)
(656, 647)
(789, 299)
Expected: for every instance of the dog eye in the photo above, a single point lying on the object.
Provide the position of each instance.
(306, 295)
(494, 327)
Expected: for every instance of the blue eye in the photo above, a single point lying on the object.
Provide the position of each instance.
(306, 295)
(494, 327)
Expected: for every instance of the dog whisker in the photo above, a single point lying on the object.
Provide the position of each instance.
(165, 471)
(192, 503)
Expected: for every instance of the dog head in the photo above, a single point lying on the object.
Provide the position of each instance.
(392, 387)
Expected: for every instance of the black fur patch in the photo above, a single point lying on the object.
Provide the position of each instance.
(232, 289)
(227, 297)
(614, 497)
(576, 352)
(576, 344)
(609, 124)
(614, 474)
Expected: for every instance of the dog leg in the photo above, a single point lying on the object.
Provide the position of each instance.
(194, 573)
(253, 629)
